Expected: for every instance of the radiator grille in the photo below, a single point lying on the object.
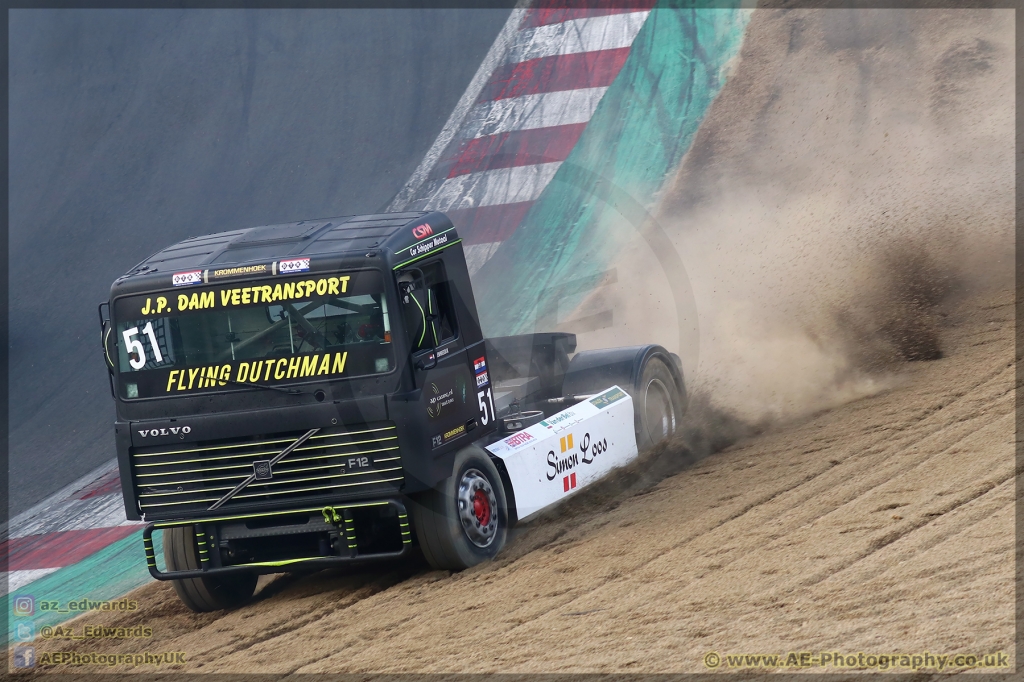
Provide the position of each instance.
(180, 480)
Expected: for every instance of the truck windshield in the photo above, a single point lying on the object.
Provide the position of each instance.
(280, 331)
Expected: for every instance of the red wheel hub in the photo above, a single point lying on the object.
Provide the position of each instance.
(481, 507)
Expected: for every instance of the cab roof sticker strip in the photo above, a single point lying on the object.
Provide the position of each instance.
(429, 237)
(427, 254)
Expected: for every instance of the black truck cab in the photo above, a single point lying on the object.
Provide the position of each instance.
(288, 395)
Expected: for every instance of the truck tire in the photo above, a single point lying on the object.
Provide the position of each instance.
(650, 374)
(657, 403)
(464, 521)
(214, 593)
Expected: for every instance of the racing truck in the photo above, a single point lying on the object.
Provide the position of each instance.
(306, 395)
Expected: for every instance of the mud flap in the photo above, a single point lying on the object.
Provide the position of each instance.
(568, 451)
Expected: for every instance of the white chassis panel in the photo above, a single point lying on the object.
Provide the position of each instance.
(568, 451)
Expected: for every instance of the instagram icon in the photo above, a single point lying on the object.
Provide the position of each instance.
(24, 605)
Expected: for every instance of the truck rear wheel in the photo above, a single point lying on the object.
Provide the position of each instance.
(465, 520)
(657, 403)
(213, 593)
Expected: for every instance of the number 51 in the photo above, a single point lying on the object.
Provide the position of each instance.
(134, 347)
(486, 403)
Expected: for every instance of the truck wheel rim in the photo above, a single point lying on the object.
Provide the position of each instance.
(661, 417)
(477, 508)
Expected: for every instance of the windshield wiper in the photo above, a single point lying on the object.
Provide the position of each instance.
(281, 389)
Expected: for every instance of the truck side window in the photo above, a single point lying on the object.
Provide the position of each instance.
(429, 313)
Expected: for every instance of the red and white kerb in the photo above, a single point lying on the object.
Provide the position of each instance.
(526, 119)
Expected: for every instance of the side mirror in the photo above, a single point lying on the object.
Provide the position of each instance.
(105, 336)
(426, 361)
(106, 333)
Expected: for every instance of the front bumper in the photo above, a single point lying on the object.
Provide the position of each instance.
(211, 531)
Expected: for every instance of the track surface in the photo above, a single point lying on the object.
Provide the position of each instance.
(858, 529)
(131, 129)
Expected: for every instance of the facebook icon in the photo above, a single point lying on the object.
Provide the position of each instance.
(24, 657)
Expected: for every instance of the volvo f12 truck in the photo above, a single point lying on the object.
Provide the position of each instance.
(301, 396)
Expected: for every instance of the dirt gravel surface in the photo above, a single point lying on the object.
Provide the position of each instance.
(885, 525)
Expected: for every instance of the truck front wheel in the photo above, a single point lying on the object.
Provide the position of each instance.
(207, 593)
(464, 521)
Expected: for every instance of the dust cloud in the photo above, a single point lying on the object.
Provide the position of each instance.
(854, 176)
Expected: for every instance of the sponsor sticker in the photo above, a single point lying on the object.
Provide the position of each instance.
(568, 459)
(607, 398)
(260, 293)
(518, 439)
(240, 271)
(562, 420)
(479, 365)
(427, 240)
(482, 379)
(292, 265)
(584, 452)
(510, 444)
(438, 400)
(184, 279)
(448, 436)
(270, 370)
(427, 245)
